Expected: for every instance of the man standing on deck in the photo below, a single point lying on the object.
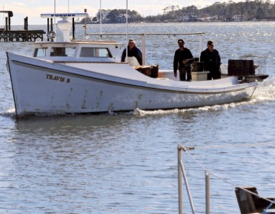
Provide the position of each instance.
(212, 61)
(132, 51)
(182, 61)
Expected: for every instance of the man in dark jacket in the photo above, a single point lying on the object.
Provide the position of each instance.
(132, 51)
(212, 61)
(182, 61)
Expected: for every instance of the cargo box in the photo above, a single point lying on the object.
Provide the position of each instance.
(197, 66)
(146, 70)
(154, 71)
(239, 67)
(151, 71)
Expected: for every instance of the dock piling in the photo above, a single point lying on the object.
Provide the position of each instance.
(26, 25)
(26, 35)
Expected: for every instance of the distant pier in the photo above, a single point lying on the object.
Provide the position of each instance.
(21, 35)
(26, 35)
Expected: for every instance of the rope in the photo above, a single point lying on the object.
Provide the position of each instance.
(147, 34)
(235, 145)
(223, 179)
(269, 206)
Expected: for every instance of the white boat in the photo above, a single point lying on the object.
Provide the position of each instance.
(88, 77)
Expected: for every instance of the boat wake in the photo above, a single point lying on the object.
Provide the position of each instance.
(140, 112)
(10, 113)
(264, 93)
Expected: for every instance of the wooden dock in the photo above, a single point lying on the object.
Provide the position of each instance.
(21, 35)
(26, 35)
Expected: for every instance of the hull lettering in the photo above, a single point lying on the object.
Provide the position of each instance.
(57, 78)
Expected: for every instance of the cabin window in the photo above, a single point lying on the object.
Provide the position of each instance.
(95, 52)
(61, 51)
(40, 52)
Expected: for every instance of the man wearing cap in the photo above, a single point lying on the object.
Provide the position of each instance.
(132, 51)
(212, 61)
(182, 61)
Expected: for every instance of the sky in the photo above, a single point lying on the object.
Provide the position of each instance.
(33, 8)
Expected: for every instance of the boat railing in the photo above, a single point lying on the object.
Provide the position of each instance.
(182, 175)
(143, 38)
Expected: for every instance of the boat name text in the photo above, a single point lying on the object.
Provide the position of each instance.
(57, 78)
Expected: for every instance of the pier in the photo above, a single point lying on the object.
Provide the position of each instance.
(25, 35)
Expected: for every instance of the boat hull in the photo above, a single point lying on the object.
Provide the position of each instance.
(47, 87)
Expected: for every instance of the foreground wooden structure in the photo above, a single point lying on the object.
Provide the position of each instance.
(26, 35)
(252, 204)
(21, 35)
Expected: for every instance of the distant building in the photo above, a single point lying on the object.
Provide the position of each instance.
(239, 18)
(121, 18)
(209, 19)
(188, 18)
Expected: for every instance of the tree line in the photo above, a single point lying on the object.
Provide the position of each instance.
(248, 10)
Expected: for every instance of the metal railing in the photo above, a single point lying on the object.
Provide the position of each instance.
(143, 35)
(182, 175)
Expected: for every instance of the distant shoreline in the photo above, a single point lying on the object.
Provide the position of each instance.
(251, 21)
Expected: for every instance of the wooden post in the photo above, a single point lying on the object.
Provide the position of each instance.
(9, 22)
(26, 25)
(6, 28)
(245, 200)
(73, 28)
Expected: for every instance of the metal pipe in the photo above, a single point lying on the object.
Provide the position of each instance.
(54, 18)
(180, 180)
(207, 192)
(200, 47)
(68, 6)
(187, 187)
(3, 13)
(100, 14)
(126, 57)
(143, 50)
(140, 34)
(52, 28)
(48, 28)
(85, 26)
(143, 37)
(51, 24)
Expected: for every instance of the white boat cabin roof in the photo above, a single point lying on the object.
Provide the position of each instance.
(98, 51)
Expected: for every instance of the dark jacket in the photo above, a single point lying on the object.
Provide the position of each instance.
(212, 60)
(180, 56)
(134, 52)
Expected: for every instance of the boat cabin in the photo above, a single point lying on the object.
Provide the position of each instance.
(83, 51)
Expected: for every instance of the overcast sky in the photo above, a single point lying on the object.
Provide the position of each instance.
(33, 8)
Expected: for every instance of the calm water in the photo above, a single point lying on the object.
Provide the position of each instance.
(127, 163)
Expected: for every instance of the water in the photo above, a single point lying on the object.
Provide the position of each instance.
(127, 162)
